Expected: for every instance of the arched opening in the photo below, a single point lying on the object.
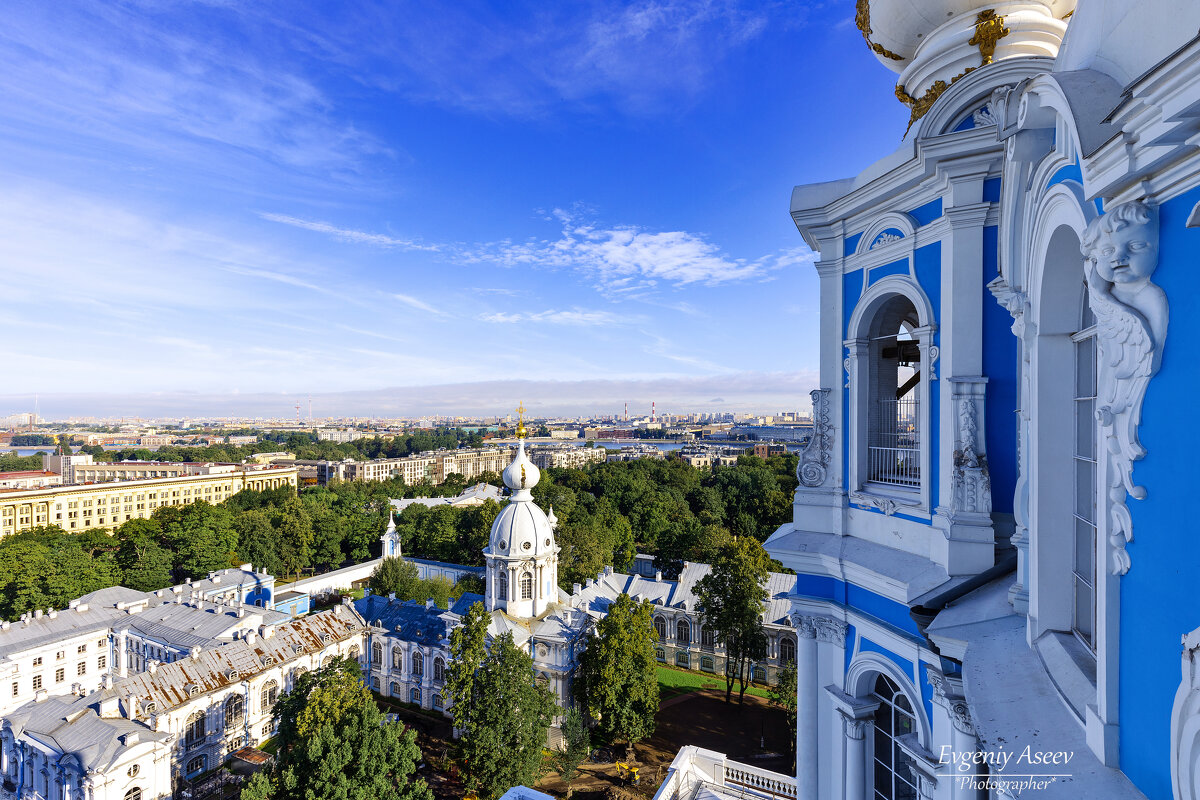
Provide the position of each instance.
(683, 632)
(437, 701)
(134, 794)
(682, 660)
(660, 654)
(195, 730)
(439, 669)
(397, 657)
(197, 765)
(395, 690)
(376, 654)
(269, 694)
(526, 586)
(414, 696)
(787, 650)
(502, 585)
(354, 653)
(706, 664)
(893, 400)
(418, 664)
(707, 639)
(660, 627)
(235, 709)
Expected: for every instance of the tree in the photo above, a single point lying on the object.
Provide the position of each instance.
(394, 574)
(783, 695)
(575, 748)
(619, 672)
(501, 714)
(731, 599)
(337, 744)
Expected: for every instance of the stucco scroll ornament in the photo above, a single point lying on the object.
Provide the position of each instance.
(805, 625)
(1185, 723)
(814, 461)
(1120, 255)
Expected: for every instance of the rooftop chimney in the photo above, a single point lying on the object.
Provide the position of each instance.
(429, 602)
(576, 588)
(658, 576)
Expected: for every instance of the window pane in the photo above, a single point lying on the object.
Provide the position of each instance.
(1085, 428)
(1085, 551)
(1085, 484)
(1085, 368)
(1084, 611)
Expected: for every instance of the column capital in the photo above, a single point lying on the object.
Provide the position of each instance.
(815, 626)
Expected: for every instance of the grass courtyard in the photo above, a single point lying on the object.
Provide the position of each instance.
(673, 682)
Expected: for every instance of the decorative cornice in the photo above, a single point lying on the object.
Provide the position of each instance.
(826, 629)
(813, 468)
(1120, 250)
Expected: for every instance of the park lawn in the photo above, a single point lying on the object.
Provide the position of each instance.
(673, 682)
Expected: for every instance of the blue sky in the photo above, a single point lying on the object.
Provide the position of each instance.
(222, 200)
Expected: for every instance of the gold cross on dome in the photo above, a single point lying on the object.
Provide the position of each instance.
(521, 409)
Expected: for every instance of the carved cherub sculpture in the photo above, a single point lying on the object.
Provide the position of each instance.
(1120, 252)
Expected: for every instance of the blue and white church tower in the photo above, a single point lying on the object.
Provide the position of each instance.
(992, 540)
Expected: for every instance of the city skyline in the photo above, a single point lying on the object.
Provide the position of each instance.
(221, 201)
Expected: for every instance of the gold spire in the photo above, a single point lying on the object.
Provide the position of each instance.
(521, 422)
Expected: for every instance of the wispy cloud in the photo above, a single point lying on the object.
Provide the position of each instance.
(418, 304)
(555, 317)
(522, 58)
(349, 234)
(629, 258)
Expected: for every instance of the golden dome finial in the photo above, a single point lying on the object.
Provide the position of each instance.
(521, 421)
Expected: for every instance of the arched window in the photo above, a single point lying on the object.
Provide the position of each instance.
(354, 653)
(893, 412)
(660, 627)
(437, 701)
(683, 632)
(197, 764)
(439, 669)
(134, 794)
(758, 674)
(706, 663)
(397, 657)
(418, 664)
(787, 650)
(526, 586)
(377, 654)
(395, 690)
(707, 640)
(375, 682)
(893, 719)
(235, 711)
(501, 585)
(195, 730)
(660, 654)
(682, 660)
(414, 696)
(269, 694)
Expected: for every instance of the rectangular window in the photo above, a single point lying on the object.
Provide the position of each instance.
(37, 682)
(16, 688)
(102, 662)
(37, 662)
(60, 675)
(81, 649)
(1083, 617)
(81, 668)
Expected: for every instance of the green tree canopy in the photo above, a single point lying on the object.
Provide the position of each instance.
(731, 600)
(337, 744)
(502, 715)
(619, 673)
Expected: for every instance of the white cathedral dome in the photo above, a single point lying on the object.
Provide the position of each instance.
(521, 529)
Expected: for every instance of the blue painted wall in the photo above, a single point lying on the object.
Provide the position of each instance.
(895, 268)
(1000, 356)
(928, 212)
(1158, 595)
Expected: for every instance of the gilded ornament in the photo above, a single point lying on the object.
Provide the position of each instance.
(862, 18)
(989, 29)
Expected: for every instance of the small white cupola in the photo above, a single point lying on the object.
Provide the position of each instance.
(521, 556)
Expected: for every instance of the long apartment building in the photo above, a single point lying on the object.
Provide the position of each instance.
(432, 466)
(97, 505)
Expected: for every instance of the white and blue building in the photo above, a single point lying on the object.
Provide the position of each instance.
(992, 537)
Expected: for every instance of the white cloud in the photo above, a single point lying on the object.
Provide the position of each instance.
(349, 234)
(629, 258)
(418, 304)
(572, 317)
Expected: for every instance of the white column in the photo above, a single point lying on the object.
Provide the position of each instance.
(807, 732)
(856, 731)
